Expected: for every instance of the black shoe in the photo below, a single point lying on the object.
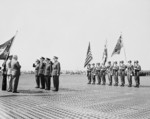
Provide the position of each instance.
(42, 88)
(88, 83)
(15, 92)
(55, 90)
(37, 87)
(47, 89)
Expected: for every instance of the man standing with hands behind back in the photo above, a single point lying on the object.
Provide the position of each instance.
(56, 73)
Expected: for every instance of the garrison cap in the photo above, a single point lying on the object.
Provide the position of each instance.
(55, 57)
(89, 64)
(37, 60)
(115, 62)
(129, 61)
(109, 62)
(47, 58)
(42, 58)
(98, 63)
(93, 64)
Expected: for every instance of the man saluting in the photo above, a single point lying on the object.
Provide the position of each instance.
(56, 73)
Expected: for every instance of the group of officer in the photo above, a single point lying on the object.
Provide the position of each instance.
(113, 71)
(44, 70)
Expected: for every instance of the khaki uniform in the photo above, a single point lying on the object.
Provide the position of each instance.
(41, 74)
(103, 74)
(110, 73)
(115, 74)
(98, 74)
(129, 74)
(122, 69)
(89, 69)
(137, 69)
(93, 72)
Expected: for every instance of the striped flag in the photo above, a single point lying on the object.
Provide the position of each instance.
(5, 48)
(118, 46)
(105, 54)
(88, 56)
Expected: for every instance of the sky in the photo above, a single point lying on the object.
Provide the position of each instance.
(64, 28)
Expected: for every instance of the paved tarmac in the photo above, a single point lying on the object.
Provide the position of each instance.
(76, 100)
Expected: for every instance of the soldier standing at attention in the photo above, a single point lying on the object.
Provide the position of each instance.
(129, 73)
(4, 81)
(110, 72)
(115, 73)
(137, 69)
(56, 73)
(89, 73)
(122, 68)
(41, 72)
(98, 73)
(47, 74)
(9, 75)
(103, 73)
(36, 65)
(15, 70)
(93, 72)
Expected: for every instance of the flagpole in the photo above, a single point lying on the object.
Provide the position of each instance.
(124, 50)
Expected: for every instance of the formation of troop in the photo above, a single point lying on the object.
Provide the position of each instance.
(11, 74)
(114, 71)
(44, 70)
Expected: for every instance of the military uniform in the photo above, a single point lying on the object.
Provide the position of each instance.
(98, 73)
(122, 69)
(115, 73)
(47, 74)
(37, 79)
(137, 69)
(103, 73)
(4, 81)
(93, 72)
(110, 73)
(41, 73)
(55, 74)
(89, 73)
(129, 73)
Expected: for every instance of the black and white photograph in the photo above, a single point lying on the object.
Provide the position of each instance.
(74, 59)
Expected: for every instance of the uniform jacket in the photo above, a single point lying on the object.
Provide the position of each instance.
(37, 69)
(48, 69)
(15, 66)
(41, 68)
(89, 69)
(8, 67)
(110, 69)
(122, 67)
(130, 69)
(56, 69)
(93, 71)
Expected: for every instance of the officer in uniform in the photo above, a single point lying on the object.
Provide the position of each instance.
(98, 73)
(47, 74)
(41, 72)
(56, 73)
(93, 72)
(115, 73)
(110, 72)
(4, 81)
(103, 73)
(129, 73)
(122, 68)
(137, 69)
(36, 66)
(89, 73)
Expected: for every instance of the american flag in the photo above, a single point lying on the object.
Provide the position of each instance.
(118, 46)
(88, 56)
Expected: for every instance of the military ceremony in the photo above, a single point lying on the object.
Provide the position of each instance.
(74, 59)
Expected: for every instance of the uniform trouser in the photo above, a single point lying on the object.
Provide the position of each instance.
(129, 79)
(103, 78)
(110, 79)
(4, 82)
(42, 79)
(89, 77)
(116, 78)
(9, 82)
(99, 78)
(56, 82)
(137, 78)
(47, 82)
(37, 79)
(122, 77)
(93, 79)
(15, 80)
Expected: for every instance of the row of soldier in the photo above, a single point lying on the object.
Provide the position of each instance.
(44, 70)
(113, 71)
